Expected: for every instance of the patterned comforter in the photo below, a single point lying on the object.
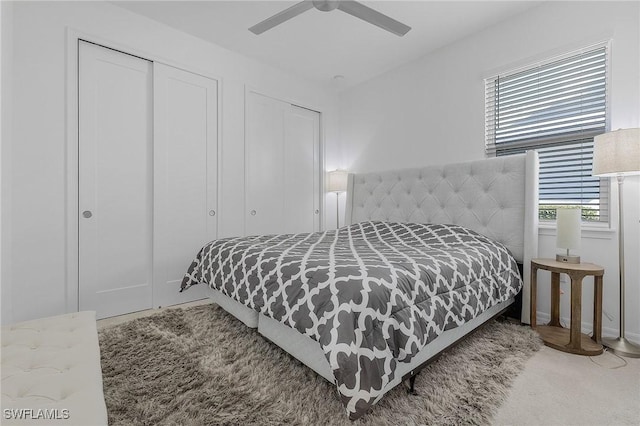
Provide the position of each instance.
(371, 294)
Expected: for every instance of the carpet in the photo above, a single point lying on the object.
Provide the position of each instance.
(201, 366)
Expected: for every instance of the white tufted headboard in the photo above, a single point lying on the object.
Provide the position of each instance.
(497, 197)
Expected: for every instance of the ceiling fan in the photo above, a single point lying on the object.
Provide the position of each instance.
(351, 7)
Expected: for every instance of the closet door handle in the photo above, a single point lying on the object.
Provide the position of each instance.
(253, 212)
(212, 212)
(87, 214)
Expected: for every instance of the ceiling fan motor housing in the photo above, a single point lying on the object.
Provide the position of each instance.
(325, 5)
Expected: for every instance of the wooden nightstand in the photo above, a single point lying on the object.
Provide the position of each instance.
(553, 334)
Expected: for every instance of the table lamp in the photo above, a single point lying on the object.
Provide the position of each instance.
(568, 233)
(337, 184)
(618, 154)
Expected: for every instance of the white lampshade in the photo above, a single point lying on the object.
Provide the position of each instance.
(617, 153)
(568, 228)
(337, 181)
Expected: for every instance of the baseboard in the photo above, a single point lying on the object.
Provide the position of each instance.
(587, 328)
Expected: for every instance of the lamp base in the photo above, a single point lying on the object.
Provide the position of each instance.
(621, 346)
(565, 258)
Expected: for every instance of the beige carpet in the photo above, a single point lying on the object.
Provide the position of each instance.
(201, 366)
(558, 388)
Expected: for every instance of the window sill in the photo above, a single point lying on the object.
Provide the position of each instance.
(603, 232)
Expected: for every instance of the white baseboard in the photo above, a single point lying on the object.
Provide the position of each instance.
(587, 328)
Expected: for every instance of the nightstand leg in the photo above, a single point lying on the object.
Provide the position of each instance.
(555, 300)
(532, 298)
(576, 313)
(597, 309)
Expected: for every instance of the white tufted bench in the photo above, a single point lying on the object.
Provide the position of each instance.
(51, 372)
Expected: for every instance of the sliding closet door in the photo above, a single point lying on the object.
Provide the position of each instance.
(115, 181)
(264, 165)
(282, 167)
(301, 170)
(185, 152)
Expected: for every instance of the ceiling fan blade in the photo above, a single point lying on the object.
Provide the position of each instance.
(374, 17)
(281, 17)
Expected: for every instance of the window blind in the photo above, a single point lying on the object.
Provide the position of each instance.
(555, 108)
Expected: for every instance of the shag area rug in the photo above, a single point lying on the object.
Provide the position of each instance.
(201, 366)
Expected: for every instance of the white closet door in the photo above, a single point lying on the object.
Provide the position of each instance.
(115, 181)
(301, 171)
(266, 118)
(185, 151)
(282, 167)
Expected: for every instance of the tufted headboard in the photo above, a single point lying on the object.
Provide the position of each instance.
(497, 197)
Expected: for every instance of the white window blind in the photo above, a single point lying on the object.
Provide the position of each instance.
(555, 108)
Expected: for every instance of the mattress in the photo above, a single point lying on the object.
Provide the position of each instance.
(372, 294)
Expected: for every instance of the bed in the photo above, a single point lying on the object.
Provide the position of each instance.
(427, 256)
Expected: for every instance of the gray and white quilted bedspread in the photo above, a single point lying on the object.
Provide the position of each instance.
(372, 294)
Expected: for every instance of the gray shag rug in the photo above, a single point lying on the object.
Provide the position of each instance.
(201, 366)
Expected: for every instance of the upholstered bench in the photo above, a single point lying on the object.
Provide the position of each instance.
(51, 372)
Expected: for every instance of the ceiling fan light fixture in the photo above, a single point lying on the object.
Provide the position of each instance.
(325, 5)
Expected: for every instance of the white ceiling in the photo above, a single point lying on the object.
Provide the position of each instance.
(319, 45)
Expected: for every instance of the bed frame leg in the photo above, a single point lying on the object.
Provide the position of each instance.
(411, 388)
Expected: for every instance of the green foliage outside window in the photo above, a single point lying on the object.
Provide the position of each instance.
(548, 212)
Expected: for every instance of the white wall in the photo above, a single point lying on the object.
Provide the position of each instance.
(431, 111)
(36, 256)
(6, 25)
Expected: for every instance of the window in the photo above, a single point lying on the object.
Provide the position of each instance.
(556, 108)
